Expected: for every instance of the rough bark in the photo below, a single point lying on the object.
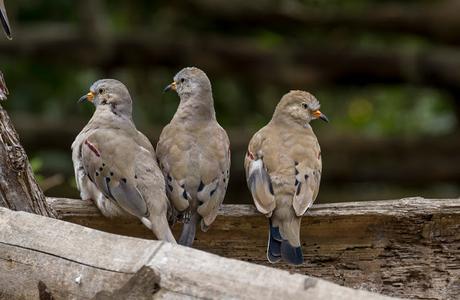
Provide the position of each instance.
(406, 248)
(68, 261)
(18, 188)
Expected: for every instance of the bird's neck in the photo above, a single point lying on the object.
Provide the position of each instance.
(283, 121)
(196, 108)
(103, 117)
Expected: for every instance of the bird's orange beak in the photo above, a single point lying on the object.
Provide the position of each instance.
(172, 86)
(88, 97)
(319, 115)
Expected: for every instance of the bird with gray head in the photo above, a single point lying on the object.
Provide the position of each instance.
(4, 20)
(194, 154)
(115, 164)
(283, 172)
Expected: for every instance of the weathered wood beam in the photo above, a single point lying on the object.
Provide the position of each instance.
(40, 255)
(406, 248)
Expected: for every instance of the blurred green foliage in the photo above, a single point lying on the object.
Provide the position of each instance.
(50, 91)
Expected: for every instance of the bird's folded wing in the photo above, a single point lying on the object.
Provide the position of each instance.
(109, 161)
(258, 179)
(215, 173)
(306, 188)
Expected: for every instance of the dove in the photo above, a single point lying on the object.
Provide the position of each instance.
(194, 154)
(283, 172)
(115, 164)
(4, 19)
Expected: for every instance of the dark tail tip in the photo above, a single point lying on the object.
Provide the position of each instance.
(274, 244)
(290, 254)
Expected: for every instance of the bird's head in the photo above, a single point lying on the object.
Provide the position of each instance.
(189, 82)
(110, 94)
(4, 20)
(300, 107)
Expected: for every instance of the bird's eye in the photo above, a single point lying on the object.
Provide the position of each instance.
(304, 105)
(101, 91)
(182, 80)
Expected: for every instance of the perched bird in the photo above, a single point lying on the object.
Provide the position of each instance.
(194, 154)
(115, 164)
(283, 172)
(4, 20)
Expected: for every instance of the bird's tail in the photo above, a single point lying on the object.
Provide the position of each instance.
(284, 242)
(274, 243)
(187, 235)
(160, 227)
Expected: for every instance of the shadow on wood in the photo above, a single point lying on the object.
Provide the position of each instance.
(405, 248)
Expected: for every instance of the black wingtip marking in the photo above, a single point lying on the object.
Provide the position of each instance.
(111, 173)
(97, 173)
(270, 188)
(214, 190)
(298, 189)
(184, 194)
(201, 187)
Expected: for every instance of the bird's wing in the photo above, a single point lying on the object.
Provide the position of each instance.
(214, 173)
(307, 176)
(258, 179)
(109, 158)
(172, 158)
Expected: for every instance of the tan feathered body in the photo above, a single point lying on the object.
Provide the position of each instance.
(115, 165)
(194, 154)
(283, 166)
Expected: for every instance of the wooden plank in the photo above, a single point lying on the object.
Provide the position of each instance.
(405, 248)
(40, 255)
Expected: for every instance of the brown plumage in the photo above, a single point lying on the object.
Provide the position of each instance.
(194, 154)
(283, 170)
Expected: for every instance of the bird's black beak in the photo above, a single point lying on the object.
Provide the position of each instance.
(88, 97)
(4, 20)
(172, 86)
(3, 88)
(321, 116)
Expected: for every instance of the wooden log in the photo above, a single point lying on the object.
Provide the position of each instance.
(44, 256)
(406, 248)
(18, 188)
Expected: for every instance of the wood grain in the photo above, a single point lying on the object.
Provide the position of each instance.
(40, 255)
(405, 248)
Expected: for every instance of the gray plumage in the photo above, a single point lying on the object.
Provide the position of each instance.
(194, 154)
(115, 164)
